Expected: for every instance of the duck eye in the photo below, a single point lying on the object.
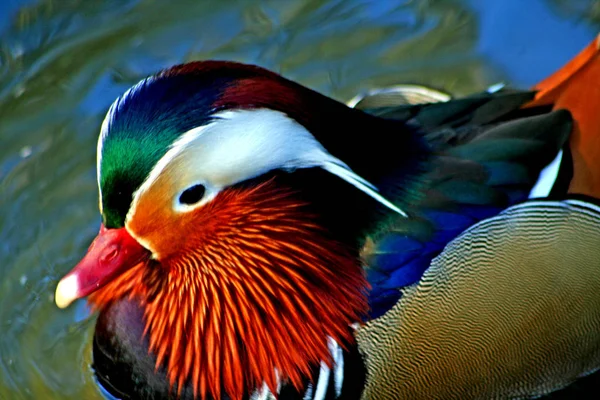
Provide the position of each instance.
(192, 195)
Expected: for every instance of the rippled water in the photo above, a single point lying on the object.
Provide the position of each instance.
(63, 62)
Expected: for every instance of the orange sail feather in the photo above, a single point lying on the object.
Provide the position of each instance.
(576, 87)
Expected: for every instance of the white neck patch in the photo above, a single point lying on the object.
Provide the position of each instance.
(243, 144)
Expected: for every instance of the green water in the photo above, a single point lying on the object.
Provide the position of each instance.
(63, 62)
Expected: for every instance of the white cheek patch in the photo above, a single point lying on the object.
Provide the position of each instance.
(243, 144)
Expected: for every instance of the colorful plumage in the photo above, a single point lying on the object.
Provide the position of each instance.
(261, 239)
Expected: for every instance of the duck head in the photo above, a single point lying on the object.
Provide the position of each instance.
(232, 203)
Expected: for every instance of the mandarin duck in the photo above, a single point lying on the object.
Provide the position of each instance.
(261, 240)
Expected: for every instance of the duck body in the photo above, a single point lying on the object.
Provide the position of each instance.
(260, 239)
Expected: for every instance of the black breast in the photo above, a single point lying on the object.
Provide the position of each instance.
(124, 367)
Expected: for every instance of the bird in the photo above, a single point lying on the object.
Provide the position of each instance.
(261, 240)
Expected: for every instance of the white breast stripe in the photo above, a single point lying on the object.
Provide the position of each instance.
(309, 392)
(322, 383)
(338, 369)
(320, 392)
(263, 394)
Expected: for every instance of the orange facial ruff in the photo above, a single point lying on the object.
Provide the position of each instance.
(254, 288)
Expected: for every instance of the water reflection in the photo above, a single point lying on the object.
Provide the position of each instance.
(62, 63)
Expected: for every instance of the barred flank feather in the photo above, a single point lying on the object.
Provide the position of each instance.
(509, 310)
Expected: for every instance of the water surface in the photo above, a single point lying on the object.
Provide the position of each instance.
(63, 62)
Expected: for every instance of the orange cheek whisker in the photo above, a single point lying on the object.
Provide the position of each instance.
(250, 286)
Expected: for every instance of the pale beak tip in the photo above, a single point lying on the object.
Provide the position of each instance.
(66, 291)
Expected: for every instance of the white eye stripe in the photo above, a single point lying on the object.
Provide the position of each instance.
(243, 144)
(362, 184)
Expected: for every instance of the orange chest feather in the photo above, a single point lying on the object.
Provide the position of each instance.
(258, 289)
